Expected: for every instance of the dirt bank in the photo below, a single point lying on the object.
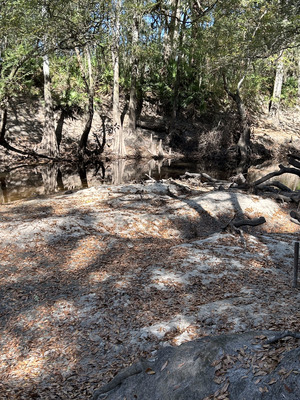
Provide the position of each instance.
(209, 137)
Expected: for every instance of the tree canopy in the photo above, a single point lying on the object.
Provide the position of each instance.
(174, 52)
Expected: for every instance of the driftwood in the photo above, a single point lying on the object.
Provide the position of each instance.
(201, 176)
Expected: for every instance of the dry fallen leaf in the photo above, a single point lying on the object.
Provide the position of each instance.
(272, 381)
(150, 371)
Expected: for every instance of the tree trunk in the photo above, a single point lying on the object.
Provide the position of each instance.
(3, 123)
(179, 60)
(244, 141)
(132, 109)
(171, 36)
(89, 86)
(48, 144)
(119, 142)
(275, 102)
(298, 73)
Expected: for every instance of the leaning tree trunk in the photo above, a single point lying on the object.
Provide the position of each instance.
(275, 102)
(119, 142)
(48, 144)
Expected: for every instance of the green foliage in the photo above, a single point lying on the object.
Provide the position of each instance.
(289, 92)
(238, 38)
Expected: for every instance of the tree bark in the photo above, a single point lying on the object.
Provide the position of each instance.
(119, 142)
(244, 140)
(132, 109)
(89, 87)
(275, 102)
(48, 144)
(3, 123)
(298, 73)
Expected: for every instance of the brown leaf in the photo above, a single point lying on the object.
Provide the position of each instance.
(272, 381)
(288, 388)
(225, 387)
(150, 371)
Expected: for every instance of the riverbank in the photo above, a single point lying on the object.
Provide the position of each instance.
(96, 279)
(210, 137)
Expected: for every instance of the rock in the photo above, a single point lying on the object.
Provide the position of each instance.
(227, 365)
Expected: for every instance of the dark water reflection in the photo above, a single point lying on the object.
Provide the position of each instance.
(25, 182)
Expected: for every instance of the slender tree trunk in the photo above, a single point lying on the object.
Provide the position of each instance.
(132, 109)
(48, 144)
(3, 114)
(298, 73)
(119, 142)
(171, 34)
(89, 86)
(275, 102)
(179, 60)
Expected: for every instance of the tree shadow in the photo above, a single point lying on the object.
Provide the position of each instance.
(80, 304)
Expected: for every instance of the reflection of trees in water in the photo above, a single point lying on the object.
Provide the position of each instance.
(100, 165)
(82, 175)
(118, 169)
(4, 189)
(49, 175)
(60, 183)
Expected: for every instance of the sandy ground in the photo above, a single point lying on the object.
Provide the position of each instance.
(93, 280)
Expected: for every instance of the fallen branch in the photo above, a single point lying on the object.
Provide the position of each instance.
(283, 335)
(277, 184)
(282, 170)
(281, 197)
(251, 222)
(295, 215)
(201, 176)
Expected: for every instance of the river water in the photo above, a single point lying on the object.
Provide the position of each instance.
(24, 182)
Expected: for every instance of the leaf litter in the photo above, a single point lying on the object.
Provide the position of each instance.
(95, 280)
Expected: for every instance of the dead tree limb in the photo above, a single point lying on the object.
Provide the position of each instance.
(295, 215)
(250, 222)
(277, 184)
(294, 162)
(282, 170)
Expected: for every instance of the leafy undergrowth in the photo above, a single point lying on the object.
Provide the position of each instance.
(94, 280)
